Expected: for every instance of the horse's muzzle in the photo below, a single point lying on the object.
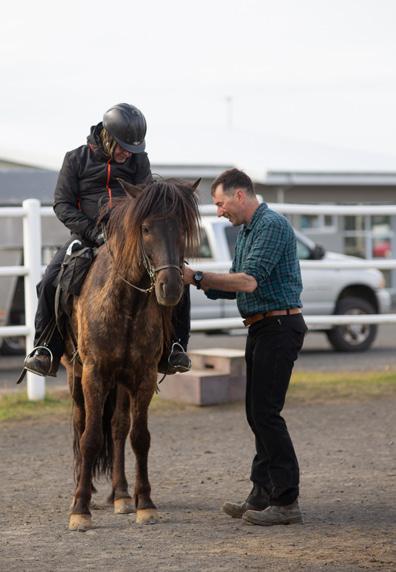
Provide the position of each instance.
(169, 287)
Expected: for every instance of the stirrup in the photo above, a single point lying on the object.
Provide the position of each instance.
(178, 346)
(30, 354)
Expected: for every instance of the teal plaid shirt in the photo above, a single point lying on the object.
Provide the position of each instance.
(266, 249)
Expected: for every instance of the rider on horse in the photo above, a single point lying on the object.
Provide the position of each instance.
(88, 180)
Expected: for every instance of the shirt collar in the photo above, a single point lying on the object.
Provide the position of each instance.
(257, 214)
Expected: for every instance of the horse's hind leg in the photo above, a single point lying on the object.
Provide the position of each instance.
(120, 426)
(90, 445)
(146, 512)
(78, 417)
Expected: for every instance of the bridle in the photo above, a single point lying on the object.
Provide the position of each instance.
(150, 269)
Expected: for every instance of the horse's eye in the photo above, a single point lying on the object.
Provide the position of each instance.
(145, 229)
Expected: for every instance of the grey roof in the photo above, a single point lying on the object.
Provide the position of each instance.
(190, 171)
(295, 178)
(16, 185)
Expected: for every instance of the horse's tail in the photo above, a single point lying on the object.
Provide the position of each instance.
(104, 460)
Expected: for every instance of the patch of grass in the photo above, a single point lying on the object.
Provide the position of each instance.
(315, 386)
(305, 387)
(17, 406)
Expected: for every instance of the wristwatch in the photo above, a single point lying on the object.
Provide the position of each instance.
(198, 276)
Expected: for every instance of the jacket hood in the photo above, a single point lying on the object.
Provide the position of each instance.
(94, 142)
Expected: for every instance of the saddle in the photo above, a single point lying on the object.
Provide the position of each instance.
(69, 282)
(71, 276)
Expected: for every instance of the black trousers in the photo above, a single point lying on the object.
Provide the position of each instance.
(271, 349)
(46, 307)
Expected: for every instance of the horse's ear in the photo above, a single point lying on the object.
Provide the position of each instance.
(131, 190)
(196, 183)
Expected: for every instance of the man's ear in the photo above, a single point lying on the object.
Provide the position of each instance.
(240, 195)
(131, 190)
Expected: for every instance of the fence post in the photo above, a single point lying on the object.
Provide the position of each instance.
(32, 261)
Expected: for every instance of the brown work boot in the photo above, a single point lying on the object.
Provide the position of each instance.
(289, 514)
(40, 363)
(257, 500)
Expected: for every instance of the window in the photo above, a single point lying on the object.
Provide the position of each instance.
(231, 233)
(355, 235)
(381, 233)
(303, 252)
(308, 222)
(368, 236)
(355, 246)
(319, 223)
(204, 247)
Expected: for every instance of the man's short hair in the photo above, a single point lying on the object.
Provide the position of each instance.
(233, 179)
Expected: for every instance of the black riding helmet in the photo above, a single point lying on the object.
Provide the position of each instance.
(127, 125)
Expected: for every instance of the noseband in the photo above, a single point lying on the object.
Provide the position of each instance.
(152, 272)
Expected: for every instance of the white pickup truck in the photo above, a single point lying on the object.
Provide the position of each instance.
(326, 291)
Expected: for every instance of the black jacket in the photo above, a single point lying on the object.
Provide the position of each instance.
(86, 180)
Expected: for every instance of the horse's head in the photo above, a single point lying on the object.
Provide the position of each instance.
(165, 217)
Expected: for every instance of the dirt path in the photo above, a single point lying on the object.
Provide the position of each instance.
(199, 458)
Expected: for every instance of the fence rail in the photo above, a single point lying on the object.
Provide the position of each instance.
(31, 212)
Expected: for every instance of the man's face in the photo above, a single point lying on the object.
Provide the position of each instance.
(228, 205)
(120, 154)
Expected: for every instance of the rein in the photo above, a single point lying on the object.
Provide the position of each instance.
(151, 271)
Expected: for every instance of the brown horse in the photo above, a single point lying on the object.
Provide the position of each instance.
(122, 322)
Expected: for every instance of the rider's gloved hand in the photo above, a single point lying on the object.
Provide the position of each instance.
(99, 239)
(95, 236)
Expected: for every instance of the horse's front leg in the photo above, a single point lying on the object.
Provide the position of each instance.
(90, 445)
(78, 416)
(120, 426)
(146, 512)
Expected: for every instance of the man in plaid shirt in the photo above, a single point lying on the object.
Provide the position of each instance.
(265, 279)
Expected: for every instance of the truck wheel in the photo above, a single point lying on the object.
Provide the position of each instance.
(353, 337)
(15, 346)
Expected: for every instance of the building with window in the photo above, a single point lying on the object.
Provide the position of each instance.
(368, 236)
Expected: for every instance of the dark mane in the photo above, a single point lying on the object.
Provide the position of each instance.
(158, 199)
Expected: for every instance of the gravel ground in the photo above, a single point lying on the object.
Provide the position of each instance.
(199, 458)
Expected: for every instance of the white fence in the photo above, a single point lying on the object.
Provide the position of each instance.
(31, 212)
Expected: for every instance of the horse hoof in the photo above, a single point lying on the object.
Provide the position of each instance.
(147, 516)
(80, 522)
(124, 506)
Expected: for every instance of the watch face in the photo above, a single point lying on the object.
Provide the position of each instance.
(198, 276)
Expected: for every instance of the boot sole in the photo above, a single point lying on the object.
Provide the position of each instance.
(262, 522)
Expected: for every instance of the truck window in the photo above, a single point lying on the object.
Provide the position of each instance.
(204, 247)
(231, 233)
(303, 251)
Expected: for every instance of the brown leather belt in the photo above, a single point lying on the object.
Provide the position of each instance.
(257, 317)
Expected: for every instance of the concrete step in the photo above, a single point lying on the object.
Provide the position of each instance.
(221, 359)
(202, 387)
(217, 376)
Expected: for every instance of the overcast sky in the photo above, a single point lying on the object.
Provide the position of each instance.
(309, 71)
